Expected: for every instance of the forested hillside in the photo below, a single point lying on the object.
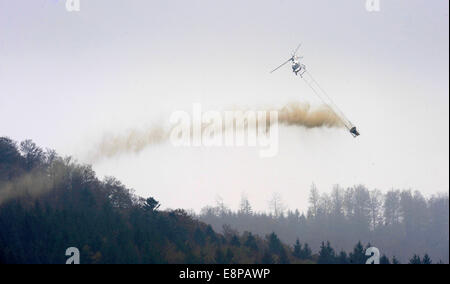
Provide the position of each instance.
(399, 223)
(49, 203)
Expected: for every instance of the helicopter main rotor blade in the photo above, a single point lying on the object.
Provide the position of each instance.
(295, 51)
(281, 65)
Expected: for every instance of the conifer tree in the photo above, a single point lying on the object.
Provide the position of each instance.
(384, 260)
(343, 258)
(426, 259)
(306, 252)
(298, 249)
(358, 255)
(415, 260)
(326, 254)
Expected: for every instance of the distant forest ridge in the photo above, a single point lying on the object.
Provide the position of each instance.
(49, 203)
(397, 222)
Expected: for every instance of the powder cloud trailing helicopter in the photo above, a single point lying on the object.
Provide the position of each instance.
(299, 69)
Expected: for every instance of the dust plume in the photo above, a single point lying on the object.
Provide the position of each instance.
(301, 114)
(32, 185)
(135, 140)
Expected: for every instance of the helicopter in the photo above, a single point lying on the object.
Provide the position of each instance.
(297, 67)
(300, 69)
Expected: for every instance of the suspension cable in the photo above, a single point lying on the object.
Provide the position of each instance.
(328, 102)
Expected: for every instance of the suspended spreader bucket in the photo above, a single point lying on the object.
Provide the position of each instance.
(354, 132)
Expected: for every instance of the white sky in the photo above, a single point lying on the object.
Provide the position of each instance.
(68, 78)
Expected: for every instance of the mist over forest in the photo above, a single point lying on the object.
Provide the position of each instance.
(49, 203)
(396, 222)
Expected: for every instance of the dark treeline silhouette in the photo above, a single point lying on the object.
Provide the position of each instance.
(398, 223)
(49, 203)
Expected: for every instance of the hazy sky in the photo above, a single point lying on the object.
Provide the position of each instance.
(66, 79)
